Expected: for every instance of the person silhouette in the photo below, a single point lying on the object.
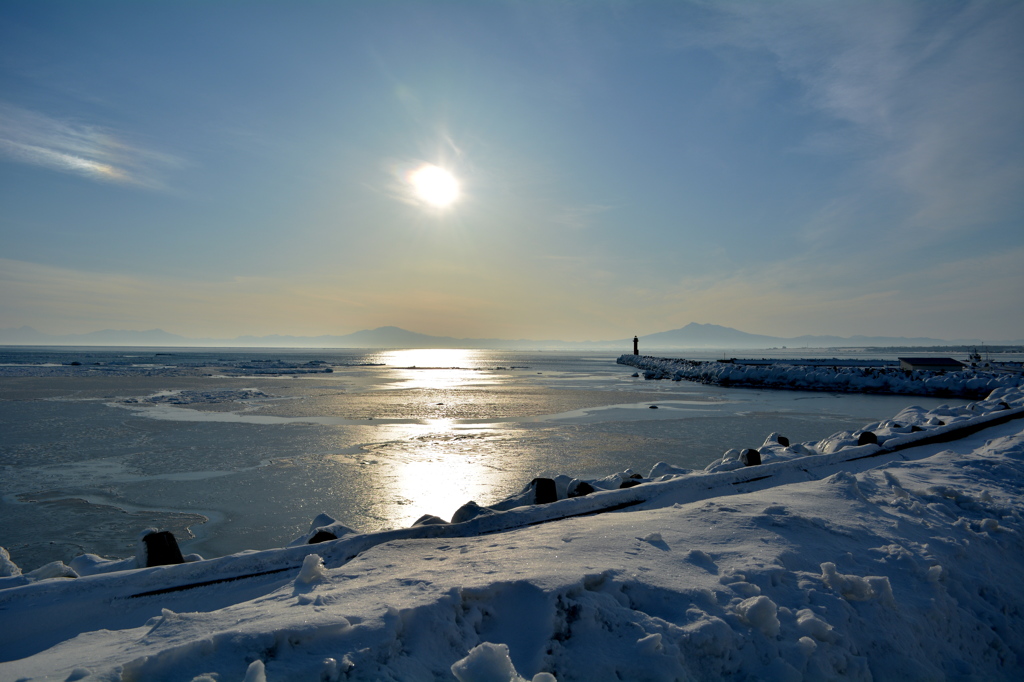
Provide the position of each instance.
(636, 347)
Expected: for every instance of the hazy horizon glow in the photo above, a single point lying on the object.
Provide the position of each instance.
(598, 169)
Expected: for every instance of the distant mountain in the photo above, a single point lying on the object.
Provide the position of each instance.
(857, 341)
(386, 337)
(27, 336)
(382, 337)
(21, 336)
(692, 336)
(696, 335)
(152, 337)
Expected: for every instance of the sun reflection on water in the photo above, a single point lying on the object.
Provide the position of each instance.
(436, 467)
(432, 459)
(431, 357)
(435, 368)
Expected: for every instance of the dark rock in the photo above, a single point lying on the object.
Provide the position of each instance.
(629, 483)
(467, 512)
(321, 536)
(429, 520)
(750, 457)
(867, 438)
(580, 488)
(162, 549)
(544, 490)
(652, 407)
(635, 476)
(914, 428)
(783, 441)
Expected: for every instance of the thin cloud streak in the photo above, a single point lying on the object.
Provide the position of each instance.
(928, 95)
(89, 151)
(578, 217)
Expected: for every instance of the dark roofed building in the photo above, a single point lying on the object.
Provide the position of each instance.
(931, 364)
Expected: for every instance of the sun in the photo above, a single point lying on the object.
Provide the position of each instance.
(434, 185)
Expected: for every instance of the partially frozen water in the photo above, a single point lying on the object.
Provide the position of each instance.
(235, 450)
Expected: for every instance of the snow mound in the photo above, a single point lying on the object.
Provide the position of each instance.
(312, 570)
(491, 663)
(8, 568)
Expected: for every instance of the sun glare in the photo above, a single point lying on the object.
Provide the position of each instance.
(434, 185)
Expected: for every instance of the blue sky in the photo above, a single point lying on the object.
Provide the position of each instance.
(225, 168)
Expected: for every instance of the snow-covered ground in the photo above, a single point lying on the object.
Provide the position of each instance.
(970, 383)
(894, 559)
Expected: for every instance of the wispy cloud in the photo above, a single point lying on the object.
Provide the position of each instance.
(578, 217)
(72, 147)
(925, 97)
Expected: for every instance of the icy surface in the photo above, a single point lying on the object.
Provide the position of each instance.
(898, 559)
(375, 443)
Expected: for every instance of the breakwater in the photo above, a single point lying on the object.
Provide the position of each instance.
(784, 374)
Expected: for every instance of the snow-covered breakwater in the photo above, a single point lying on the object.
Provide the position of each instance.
(967, 384)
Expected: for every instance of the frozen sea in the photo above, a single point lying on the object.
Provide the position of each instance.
(241, 449)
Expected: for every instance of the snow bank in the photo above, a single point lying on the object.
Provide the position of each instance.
(898, 558)
(968, 383)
